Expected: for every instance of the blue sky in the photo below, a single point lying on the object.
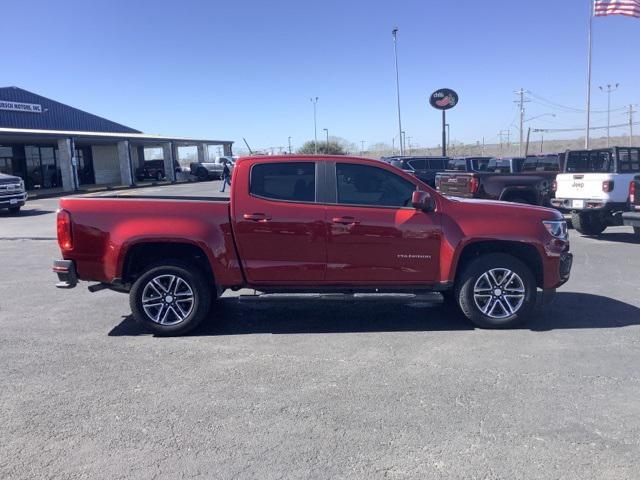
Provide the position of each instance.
(248, 68)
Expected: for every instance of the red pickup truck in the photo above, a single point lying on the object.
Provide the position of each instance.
(313, 224)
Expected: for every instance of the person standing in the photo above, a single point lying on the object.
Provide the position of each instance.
(226, 176)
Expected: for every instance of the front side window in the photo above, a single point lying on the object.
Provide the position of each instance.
(499, 166)
(366, 185)
(418, 164)
(457, 164)
(291, 181)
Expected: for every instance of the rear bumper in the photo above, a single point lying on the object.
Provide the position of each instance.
(66, 271)
(586, 204)
(9, 201)
(631, 219)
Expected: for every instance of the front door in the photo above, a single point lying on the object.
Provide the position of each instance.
(280, 228)
(375, 236)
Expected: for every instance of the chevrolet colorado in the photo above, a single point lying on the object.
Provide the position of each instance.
(313, 224)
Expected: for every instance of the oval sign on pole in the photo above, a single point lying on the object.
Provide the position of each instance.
(443, 99)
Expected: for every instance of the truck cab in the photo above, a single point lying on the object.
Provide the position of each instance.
(12, 193)
(594, 187)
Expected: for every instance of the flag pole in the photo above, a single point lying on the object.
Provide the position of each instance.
(586, 139)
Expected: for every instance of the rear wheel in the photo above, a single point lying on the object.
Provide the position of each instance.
(588, 223)
(171, 298)
(14, 210)
(203, 175)
(496, 291)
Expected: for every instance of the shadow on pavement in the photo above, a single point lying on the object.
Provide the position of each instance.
(622, 237)
(233, 316)
(25, 213)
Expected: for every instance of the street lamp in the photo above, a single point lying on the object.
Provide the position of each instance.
(610, 88)
(394, 32)
(326, 130)
(315, 126)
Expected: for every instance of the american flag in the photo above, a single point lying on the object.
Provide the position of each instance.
(630, 8)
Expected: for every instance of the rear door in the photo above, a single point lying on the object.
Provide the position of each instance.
(375, 236)
(279, 227)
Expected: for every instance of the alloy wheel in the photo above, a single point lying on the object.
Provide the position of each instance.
(499, 293)
(167, 299)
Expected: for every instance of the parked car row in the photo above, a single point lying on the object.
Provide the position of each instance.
(597, 187)
(204, 171)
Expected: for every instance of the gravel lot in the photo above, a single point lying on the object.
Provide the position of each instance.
(317, 386)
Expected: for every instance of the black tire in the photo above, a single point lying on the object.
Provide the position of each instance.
(203, 175)
(588, 223)
(159, 176)
(170, 310)
(450, 300)
(502, 314)
(14, 210)
(636, 231)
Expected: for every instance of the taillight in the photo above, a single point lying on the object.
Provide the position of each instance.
(474, 183)
(554, 186)
(65, 237)
(438, 182)
(607, 186)
(632, 192)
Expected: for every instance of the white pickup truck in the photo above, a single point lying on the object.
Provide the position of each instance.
(594, 187)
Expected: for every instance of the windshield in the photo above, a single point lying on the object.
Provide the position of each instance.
(589, 162)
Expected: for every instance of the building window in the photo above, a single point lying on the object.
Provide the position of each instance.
(6, 160)
(42, 167)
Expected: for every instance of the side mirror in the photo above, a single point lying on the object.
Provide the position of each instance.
(421, 200)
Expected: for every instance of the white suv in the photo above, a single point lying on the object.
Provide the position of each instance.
(595, 185)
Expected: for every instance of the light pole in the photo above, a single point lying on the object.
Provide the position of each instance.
(315, 126)
(394, 32)
(326, 130)
(362, 142)
(448, 135)
(289, 145)
(403, 138)
(610, 88)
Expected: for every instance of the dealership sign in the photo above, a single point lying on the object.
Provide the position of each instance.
(20, 107)
(443, 99)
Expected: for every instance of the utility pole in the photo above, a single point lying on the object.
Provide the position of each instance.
(409, 144)
(502, 134)
(362, 142)
(541, 143)
(403, 138)
(327, 132)
(483, 146)
(631, 112)
(521, 103)
(394, 32)
(289, 145)
(315, 126)
(610, 88)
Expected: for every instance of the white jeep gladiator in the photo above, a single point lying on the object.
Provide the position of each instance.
(594, 187)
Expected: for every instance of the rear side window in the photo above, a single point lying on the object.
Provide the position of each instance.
(499, 166)
(628, 161)
(366, 185)
(437, 163)
(292, 181)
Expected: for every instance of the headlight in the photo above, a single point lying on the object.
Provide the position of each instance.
(557, 228)
(21, 184)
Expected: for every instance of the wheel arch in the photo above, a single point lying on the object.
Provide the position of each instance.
(510, 193)
(525, 252)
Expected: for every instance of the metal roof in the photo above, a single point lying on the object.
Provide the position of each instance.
(51, 115)
(142, 137)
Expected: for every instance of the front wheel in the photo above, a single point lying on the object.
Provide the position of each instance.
(14, 210)
(497, 291)
(170, 299)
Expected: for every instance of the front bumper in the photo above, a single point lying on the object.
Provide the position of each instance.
(566, 262)
(10, 201)
(66, 271)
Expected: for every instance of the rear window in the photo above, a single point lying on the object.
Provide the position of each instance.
(457, 164)
(628, 161)
(499, 166)
(291, 181)
(589, 162)
(437, 163)
(418, 164)
(540, 164)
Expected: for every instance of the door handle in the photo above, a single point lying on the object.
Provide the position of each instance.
(345, 220)
(257, 217)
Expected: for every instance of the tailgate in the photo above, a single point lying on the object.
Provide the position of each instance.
(582, 185)
(455, 184)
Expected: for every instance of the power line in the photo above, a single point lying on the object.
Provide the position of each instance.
(582, 128)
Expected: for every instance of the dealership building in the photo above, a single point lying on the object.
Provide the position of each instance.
(51, 145)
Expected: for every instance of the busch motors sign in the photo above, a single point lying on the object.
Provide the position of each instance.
(20, 107)
(443, 99)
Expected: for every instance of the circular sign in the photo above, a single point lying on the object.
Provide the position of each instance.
(443, 99)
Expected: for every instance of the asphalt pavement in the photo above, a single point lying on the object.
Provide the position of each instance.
(316, 386)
